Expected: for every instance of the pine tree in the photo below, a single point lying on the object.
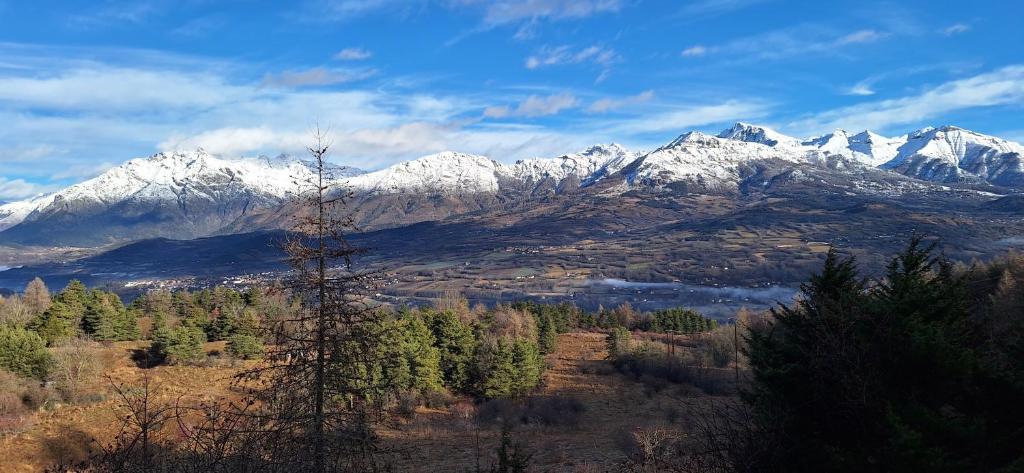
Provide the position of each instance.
(547, 334)
(59, 322)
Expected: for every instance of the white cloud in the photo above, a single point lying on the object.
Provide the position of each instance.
(956, 29)
(316, 76)
(116, 88)
(548, 56)
(611, 104)
(694, 51)
(534, 106)
(862, 88)
(794, 41)
(500, 12)
(682, 118)
(859, 37)
(1001, 87)
(18, 189)
(353, 54)
(703, 8)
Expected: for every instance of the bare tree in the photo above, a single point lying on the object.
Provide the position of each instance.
(37, 296)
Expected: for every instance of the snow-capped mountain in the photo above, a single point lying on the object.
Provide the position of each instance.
(14, 213)
(189, 195)
(589, 165)
(177, 195)
(947, 154)
(710, 162)
(451, 172)
(951, 154)
(445, 172)
(758, 134)
(865, 147)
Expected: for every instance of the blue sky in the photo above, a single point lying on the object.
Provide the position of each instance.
(85, 85)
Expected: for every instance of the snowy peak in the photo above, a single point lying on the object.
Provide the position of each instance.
(187, 181)
(14, 213)
(757, 134)
(589, 165)
(864, 147)
(445, 172)
(953, 154)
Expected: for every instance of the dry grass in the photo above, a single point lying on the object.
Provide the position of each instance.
(611, 407)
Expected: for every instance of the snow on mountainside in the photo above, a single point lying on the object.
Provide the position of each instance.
(178, 195)
(757, 134)
(186, 195)
(450, 172)
(590, 164)
(447, 171)
(15, 212)
(864, 147)
(952, 154)
(711, 162)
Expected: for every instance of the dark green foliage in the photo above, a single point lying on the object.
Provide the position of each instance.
(179, 345)
(419, 352)
(59, 322)
(677, 321)
(619, 342)
(891, 377)
(512, 456)
(23, 352)
(547, 333)
(456, 344)
(106, 318)
(506, 368)
(245, 347)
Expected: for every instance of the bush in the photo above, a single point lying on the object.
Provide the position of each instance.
(23, 352)
(178, 345)
(74, 365)
(548, 411)
(244, 347)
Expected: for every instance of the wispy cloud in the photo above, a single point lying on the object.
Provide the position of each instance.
(705, 8)
(862, 88)
(316, 76)
(113, 13)
(17, 189)
(611, 104)
(353, 54)
(956, 29)
(789, 42)
(501, 12)
(549, 56)
(679, 119)
(860, 37)
(694, 51)
(1000, 87)
(534, 106)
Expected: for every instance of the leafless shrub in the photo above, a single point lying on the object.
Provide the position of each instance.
(76, 364)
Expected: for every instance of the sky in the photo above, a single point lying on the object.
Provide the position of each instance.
(87, 85)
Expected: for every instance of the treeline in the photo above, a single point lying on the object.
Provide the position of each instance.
(565, 317)
(918, 370)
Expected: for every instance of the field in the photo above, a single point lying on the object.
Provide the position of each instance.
(582, 419)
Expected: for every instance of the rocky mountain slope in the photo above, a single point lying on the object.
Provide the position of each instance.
(192, 195)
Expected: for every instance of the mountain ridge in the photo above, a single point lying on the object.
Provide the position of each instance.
(189, 195)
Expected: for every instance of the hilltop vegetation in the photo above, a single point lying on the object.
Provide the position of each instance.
(915, 371)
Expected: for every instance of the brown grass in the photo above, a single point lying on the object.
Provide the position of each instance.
(612, 407)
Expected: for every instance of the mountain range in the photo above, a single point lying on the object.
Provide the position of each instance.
(192, 195)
